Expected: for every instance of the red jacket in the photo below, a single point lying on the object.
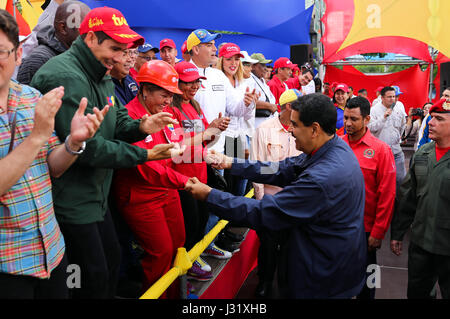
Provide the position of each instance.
(149, 181)
(378, 166)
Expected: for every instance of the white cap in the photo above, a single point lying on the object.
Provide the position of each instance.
(247, 58)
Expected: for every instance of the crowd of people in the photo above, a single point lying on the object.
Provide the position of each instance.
(156, 150)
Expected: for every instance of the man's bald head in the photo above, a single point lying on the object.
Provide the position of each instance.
(68, 18)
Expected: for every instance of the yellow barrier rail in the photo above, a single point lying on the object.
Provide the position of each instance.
(183, 260)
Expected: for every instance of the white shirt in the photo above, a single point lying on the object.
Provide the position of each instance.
(377, 100)
(242, 125)
(266, 96)
(390, 129)
(309, 88)
(217, 95)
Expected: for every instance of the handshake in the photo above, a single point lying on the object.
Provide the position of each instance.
(218, 160)
(199, 190)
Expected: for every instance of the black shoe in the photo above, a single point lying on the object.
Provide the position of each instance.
(233, 236)
(264, 289)
(226, 244)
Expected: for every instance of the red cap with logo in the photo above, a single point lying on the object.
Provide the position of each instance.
(230, 49)
(184, 47)
(342, 87)
(283, 63)
(112, 22)
(167, 43)
(441, 106)
(188, 72)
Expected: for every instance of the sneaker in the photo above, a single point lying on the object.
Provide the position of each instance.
(202, 264)
(196, 273)
(216, 252)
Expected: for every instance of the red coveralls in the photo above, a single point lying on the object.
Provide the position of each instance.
(147, 197)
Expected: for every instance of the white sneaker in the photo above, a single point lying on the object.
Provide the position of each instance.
(216, 252)
(202, 264)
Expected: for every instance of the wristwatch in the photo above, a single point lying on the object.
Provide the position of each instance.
(80, 151)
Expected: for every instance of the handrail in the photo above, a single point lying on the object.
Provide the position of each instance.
(183, 260)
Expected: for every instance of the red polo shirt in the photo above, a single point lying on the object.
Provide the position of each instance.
(378, 166)
(193, 163)
(277, 87)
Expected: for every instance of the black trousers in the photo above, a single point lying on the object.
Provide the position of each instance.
(268, 254)
(95, 249)
(27, 287)
(195, 215)
(366, 292)
(424, 270)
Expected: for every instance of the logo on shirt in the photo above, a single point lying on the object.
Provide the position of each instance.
(218, 87)
(369, 153)
(148, 139)
(133, 87)
(111, 101)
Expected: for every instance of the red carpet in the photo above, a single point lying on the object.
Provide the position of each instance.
(229, 281)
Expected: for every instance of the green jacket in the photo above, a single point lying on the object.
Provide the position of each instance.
(424, 202)
(80, 194)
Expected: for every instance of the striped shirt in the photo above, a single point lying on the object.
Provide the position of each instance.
(31, 242)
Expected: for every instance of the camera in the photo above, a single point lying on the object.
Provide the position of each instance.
(417, 112)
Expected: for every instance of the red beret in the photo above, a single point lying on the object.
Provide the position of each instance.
(442, 106)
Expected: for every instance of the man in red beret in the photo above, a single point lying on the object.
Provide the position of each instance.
(424, 208)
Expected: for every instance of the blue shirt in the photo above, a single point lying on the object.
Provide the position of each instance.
(321, 211)
(126, 90)
(426, 131)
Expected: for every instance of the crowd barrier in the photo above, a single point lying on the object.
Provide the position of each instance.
(183, 262)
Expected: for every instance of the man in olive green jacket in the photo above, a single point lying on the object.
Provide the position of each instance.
(80, 195)
(424, 207)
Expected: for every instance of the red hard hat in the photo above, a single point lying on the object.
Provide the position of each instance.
(161, 74)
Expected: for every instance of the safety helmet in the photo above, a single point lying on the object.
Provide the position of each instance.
(161, 74)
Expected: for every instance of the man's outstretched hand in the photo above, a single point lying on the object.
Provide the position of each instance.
(218, 160)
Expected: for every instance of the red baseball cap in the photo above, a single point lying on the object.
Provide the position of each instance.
(230, 49)
(188, 72)
(379, 88)
(113, 23)
(341, 86)
(184, 47)
(284, 63)
(167, 43)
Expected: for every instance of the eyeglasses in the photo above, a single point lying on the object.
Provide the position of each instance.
(132, 53)
(4, 54)
(197, 82)
(147, 58)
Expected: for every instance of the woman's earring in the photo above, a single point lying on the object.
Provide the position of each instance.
(145, 97)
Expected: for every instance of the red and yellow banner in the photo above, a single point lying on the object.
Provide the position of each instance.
(396, 26)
